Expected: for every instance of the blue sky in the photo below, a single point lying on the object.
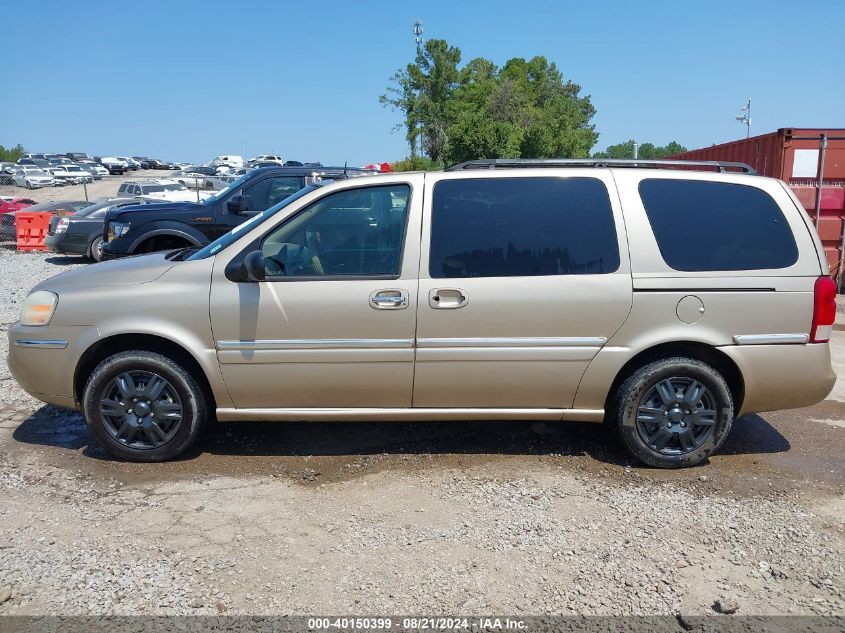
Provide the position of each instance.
(188, 80)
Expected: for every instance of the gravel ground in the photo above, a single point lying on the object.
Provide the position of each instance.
(414, 518)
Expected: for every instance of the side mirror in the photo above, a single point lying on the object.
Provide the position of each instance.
(236, 205)
(254, 266)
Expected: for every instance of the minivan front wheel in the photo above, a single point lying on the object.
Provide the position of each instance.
(674, 412)
(144, 407)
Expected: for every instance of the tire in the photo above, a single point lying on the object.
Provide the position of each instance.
(673, 412)
(28, 185)
(95, 249)
(107, 404)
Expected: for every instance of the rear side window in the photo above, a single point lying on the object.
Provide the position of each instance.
(515, 227)
(702, 226)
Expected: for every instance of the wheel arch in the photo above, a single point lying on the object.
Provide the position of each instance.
(193, 237)
(709, 354)
(105, 347)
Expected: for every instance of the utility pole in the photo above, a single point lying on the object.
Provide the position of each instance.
(418, 31)
(745, 117)
(418, 40)
(636, 150)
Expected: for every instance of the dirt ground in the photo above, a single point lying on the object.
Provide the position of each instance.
(438, 518)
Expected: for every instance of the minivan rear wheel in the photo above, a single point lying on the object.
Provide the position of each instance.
(144, 407)
(673, 412)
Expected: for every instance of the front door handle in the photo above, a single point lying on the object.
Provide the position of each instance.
(447, 298)
(393, 299)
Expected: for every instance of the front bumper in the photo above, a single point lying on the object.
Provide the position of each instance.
(109, 255)
(43, 360)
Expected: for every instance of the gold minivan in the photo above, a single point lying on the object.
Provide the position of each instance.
(663, 299)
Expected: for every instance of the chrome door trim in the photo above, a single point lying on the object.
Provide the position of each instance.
(345, 343)
(524, 341)
(770, 339)
(41, 343)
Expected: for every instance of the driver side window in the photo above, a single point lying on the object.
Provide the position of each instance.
(355, 232)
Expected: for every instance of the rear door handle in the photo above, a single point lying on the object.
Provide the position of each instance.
(447, 298)
(392, 299)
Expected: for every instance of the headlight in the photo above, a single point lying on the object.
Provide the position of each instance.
(117, 229)
(61, 227)
(38, 308)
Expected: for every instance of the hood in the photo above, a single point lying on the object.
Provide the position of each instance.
(156, 207)
(120, 272)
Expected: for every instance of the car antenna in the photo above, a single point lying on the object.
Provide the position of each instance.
(344, 169)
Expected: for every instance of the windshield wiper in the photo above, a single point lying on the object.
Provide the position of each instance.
(181, 253)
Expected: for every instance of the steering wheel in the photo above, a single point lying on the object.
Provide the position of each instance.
(316, 264)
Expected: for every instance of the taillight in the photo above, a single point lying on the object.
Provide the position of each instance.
(824, 309)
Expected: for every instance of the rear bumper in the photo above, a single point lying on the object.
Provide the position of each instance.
(782, 376)
(66, 244)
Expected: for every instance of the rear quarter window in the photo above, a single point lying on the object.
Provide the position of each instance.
(709, 226)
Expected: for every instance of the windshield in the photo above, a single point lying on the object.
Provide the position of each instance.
(230, 187)
(225, 240)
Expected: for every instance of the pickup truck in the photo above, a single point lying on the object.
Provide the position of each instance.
(114, 165)
(148, 228)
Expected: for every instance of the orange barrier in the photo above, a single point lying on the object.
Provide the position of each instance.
(31, 230)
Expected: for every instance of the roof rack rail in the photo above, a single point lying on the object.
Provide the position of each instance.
(514, 163)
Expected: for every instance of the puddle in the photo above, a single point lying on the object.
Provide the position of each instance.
(773, 453)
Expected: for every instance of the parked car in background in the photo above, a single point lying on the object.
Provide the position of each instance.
(6, 173)
(42, 163)
(7, 220)
(8, 204)
(97, 171)
(82, 174)
(71, 174)
(197, 177)
(82, 232)
(133, 230)
(163, 188)
(131, 163)
(266, 158)
(77, 156)
(143, 162)
(115, 165)
(227, 160)
(160, 164)
(33, 177)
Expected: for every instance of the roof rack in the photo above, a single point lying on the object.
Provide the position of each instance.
(514, 163)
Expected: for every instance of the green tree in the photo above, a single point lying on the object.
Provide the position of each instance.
(422, 91)
(415, 163)
(645, 151)
(13, 154)
(525, 109)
